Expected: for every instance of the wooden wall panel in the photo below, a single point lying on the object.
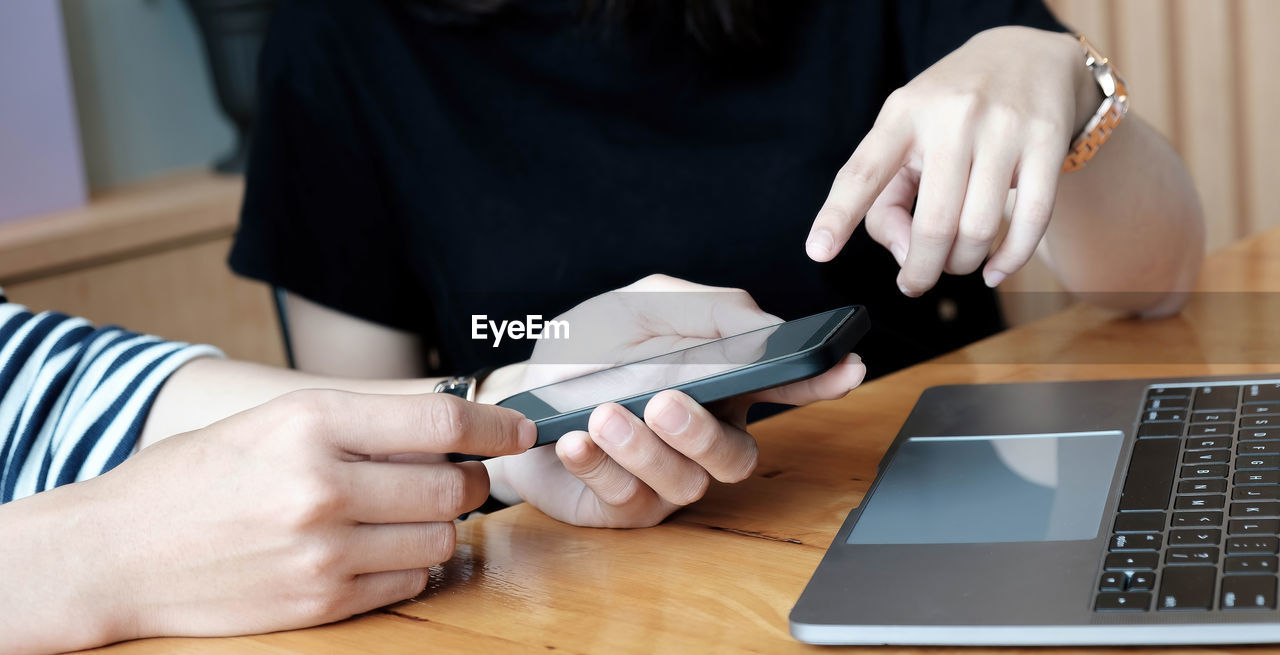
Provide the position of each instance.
(185, 294)
(1094, 18)
(1205, 95)
(1259, 60)
(1144, 53)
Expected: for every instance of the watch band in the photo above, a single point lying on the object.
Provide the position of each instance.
(1115, 104)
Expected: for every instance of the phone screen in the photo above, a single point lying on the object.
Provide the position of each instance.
(679, 367)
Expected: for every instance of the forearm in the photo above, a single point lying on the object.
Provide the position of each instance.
(1128, 230)
(207, 390)
(56, 563)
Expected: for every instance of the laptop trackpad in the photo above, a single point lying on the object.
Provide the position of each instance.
(1017, 488)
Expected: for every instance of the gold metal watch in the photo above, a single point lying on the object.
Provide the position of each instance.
(1115, 104)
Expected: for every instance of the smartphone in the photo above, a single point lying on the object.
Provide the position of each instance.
(715, 370)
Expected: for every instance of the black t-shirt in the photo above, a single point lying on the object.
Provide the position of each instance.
(415, 172)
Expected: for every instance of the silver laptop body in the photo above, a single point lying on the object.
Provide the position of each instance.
(993, 519)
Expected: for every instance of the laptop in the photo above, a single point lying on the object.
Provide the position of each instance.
(1117, 512)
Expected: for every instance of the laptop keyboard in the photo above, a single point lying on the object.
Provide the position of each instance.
(1199, 521)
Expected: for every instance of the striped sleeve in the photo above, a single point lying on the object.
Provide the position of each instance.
(74, 397)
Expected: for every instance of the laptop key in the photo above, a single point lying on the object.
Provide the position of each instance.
(1208, 443)
(1164, 415)
(1252, 434)
(1257, 462)
(1196, 519)
(1169, 392)
(1211, 429)
(1259, 421)
(1206, 457)
(1142, 581)
(1248, 564)
(1186, 588)
(1157, 430)
(1191, 555)
(1258, 448)
(1140, 522)
(1262, 393)
(1216, 416)
(1204, 471)
(1150, 477)
(1215, 501)
(1255, 508)
(1260, 410)
(1161, 404)
(1252, 527)
(1197, 537)
(1202, 487)
(1113, 581)
(1253, 546)
(1245, 478)
(1216, 398)
(1255, 493)
(1141, 561)
(1133, 601)
(1140, 541)
(1241, 592)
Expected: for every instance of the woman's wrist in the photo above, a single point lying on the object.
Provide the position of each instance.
(1088, 95)
(62, 551)
(502, 383)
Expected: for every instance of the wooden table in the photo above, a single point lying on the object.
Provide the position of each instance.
(722, 575)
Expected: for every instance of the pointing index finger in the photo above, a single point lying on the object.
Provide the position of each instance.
(858, 183)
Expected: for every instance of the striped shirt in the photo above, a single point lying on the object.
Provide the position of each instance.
(74, 398)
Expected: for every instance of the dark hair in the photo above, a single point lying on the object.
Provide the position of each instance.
(712, 25)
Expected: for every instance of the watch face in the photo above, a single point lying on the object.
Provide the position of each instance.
(1107, 79)
(460, 387)
(1091, 54)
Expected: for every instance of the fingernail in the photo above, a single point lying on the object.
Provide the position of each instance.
(855, 359)
(905, 291)
(616, 430)
(993, 278)
(820, 244)
(899, 252)
(673, 418)
(575, 449)
(528, 433)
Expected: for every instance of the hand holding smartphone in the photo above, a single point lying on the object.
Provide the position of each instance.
(735, 365)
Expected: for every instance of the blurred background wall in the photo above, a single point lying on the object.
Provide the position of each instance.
(149, 248)
(40, 168)
(1206, 73)
(142, 90)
